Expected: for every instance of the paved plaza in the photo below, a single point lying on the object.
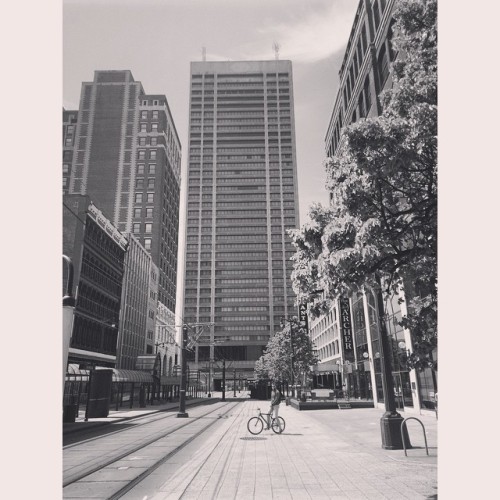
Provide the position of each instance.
(322, 454)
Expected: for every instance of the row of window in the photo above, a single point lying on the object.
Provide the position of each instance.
(141, 154)
(145, 115)
(147, 141)
(148, 227)
(139, 197)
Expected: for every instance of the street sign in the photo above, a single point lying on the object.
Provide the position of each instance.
(303, 319)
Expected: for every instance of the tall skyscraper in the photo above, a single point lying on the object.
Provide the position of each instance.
(242, 197)
(127, 157)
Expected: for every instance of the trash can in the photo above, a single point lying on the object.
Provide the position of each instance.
(142, 397)
(287, 400)
(69, 413)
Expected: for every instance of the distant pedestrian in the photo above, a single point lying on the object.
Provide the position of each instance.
(275, 404)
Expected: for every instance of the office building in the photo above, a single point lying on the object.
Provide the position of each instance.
(126, 157)
(347, 337)
(97, 250)
(139, 297)
(242, 197)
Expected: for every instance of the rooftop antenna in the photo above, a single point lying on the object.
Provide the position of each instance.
(276, 47)
(203, 54)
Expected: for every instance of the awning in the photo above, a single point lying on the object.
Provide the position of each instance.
(147, 362)
(119, 375)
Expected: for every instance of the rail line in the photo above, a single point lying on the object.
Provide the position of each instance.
(155, 466)
(229, 445)
(115, 458)
(149, 419)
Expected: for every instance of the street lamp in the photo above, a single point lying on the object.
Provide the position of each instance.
(182, 392)
(390, 423)
(282, 324)
(68, 303)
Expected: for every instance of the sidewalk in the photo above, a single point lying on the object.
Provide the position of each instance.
(321, 454)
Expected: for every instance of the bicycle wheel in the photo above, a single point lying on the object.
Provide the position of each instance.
(255, 425)
(278, 425)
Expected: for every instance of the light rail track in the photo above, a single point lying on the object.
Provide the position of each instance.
(102, 463)
(160, 462)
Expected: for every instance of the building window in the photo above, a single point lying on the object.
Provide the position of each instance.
(137, 213)
(147, 243)
(139, 184)
(155, 115)
(65, 168)
(152, 168)
(150, 197)
(154, 127)
(151, 183)
(144, 115)
(368, 99)
(140, 168)
(142, 154)
(376, 14)
(137, 227)
(152, 154)
(145, 103)
(144, 127)
(142, 141)
(138, 197)
(154, 141)
(383, 65)
(69, 141)
(65, 182)
(155, 103)
(149, 212)
(149, 227)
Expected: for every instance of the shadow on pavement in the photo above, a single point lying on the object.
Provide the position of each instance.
(253, 438)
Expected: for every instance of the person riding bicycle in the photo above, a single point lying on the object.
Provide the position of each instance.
(275, 404)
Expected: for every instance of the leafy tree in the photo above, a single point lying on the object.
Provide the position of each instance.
(381, 226)
(289, 344)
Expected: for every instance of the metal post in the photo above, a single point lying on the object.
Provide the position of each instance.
(234, 383)
(223, 380)
(182, 393)
(68, 303)
(390, 423)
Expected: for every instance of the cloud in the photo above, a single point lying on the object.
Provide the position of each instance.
(314, 37)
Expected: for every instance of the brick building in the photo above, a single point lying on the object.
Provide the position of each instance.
(126, 156)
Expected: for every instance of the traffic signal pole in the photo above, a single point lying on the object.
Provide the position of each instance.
(182, 393)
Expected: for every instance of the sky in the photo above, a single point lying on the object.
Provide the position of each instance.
(157, 40)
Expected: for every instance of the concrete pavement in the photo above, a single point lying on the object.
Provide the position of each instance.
(322, 454)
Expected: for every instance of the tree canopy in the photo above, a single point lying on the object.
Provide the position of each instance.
(382, 221)
(276, 362)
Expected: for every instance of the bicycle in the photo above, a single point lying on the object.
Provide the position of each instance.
(255, 425)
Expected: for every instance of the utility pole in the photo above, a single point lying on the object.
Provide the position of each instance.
(182, 393)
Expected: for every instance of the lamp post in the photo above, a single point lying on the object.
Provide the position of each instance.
(282, 324)
(390, 423)
(182, 392)
(68, 303)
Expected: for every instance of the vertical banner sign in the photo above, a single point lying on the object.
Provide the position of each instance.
(346, 327)
(303, 321)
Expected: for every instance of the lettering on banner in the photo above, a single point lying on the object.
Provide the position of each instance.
(346, 327)
(303, 319)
